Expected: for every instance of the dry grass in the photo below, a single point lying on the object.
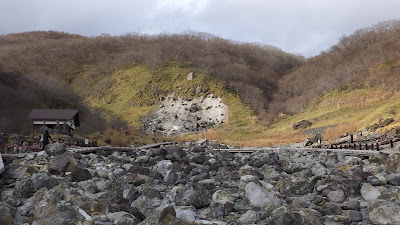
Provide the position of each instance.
(334, 132)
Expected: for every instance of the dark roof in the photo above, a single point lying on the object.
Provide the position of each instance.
(53, 114)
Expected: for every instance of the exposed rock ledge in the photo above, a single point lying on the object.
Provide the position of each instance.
(177, 115)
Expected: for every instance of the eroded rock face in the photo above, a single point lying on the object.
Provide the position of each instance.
(191, 183)
(176, 115)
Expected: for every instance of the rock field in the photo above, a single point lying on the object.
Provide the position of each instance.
(176, 115)
(190, 183)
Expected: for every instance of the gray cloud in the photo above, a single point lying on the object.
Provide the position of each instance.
(298, 26)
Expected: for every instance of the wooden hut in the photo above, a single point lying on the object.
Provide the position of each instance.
(63, 119)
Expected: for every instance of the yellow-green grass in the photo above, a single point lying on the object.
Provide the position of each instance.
(128, 92)
(360, 108)
(132, 89)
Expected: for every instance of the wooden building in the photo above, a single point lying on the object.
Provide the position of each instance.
(63, 119)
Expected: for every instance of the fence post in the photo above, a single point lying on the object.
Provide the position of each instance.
(391, 143)
(351, 138)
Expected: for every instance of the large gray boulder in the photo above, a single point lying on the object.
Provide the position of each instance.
(369, 192)
(260, 197)
(55, 149)
(63, 163)
(193, 194)
(386, 213)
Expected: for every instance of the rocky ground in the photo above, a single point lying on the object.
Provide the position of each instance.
(177, 115)
(194, 184)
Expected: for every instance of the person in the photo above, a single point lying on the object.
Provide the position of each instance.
(45, 140)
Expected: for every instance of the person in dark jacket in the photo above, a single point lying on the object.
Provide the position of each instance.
(46, 137)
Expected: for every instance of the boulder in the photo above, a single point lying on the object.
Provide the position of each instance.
(329, 208)
(393, 179)
(164, 214)
(95, 207)
(186, 213)
(55, 149)
(81, 174)
(122, 218)
(61, 215)
(250, 217)
(302, 125)
(353, 215)
(260, 197)
(368, 192)
(193, 195)
(385, 213)
(7, 213)
(221, 208)
(318, 170)
(63, 163)
(337, 196)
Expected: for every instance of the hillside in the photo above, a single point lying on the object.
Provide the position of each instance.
(115, 81)
(71, 71)
(353, 85)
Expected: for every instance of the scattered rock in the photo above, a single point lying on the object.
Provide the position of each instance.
(302, 125)
(188, 183)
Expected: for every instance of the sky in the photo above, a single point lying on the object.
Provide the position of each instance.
(304, 27)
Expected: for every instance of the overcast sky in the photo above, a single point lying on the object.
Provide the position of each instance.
(306, 27)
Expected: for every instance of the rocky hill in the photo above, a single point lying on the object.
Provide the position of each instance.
(121, 83)
(191, 183)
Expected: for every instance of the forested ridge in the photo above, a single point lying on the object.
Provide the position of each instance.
(44, 69)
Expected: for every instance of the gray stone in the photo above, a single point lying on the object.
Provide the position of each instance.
(337, 196)
(222, 195)
(302, 124)
(149, 192)
(186, 213)
(377, 179)
(368, 192)
(386, 213)
(7, 213)
(10, 197)
(350, 204)
(95, 207)
(249, 217)
(61, 215)
(393, 179)
(329, 208)
(102, 185)
(318, 170)
(142, 159)
(164, 214)
(163, 167)
(221, 208)
(355, 216)
(55, 149)
(122, 218)
(81, 174)
(63, 163)
(260, 197)
(248, 178)
(193, 195)
(131, 193)
(88, 186)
